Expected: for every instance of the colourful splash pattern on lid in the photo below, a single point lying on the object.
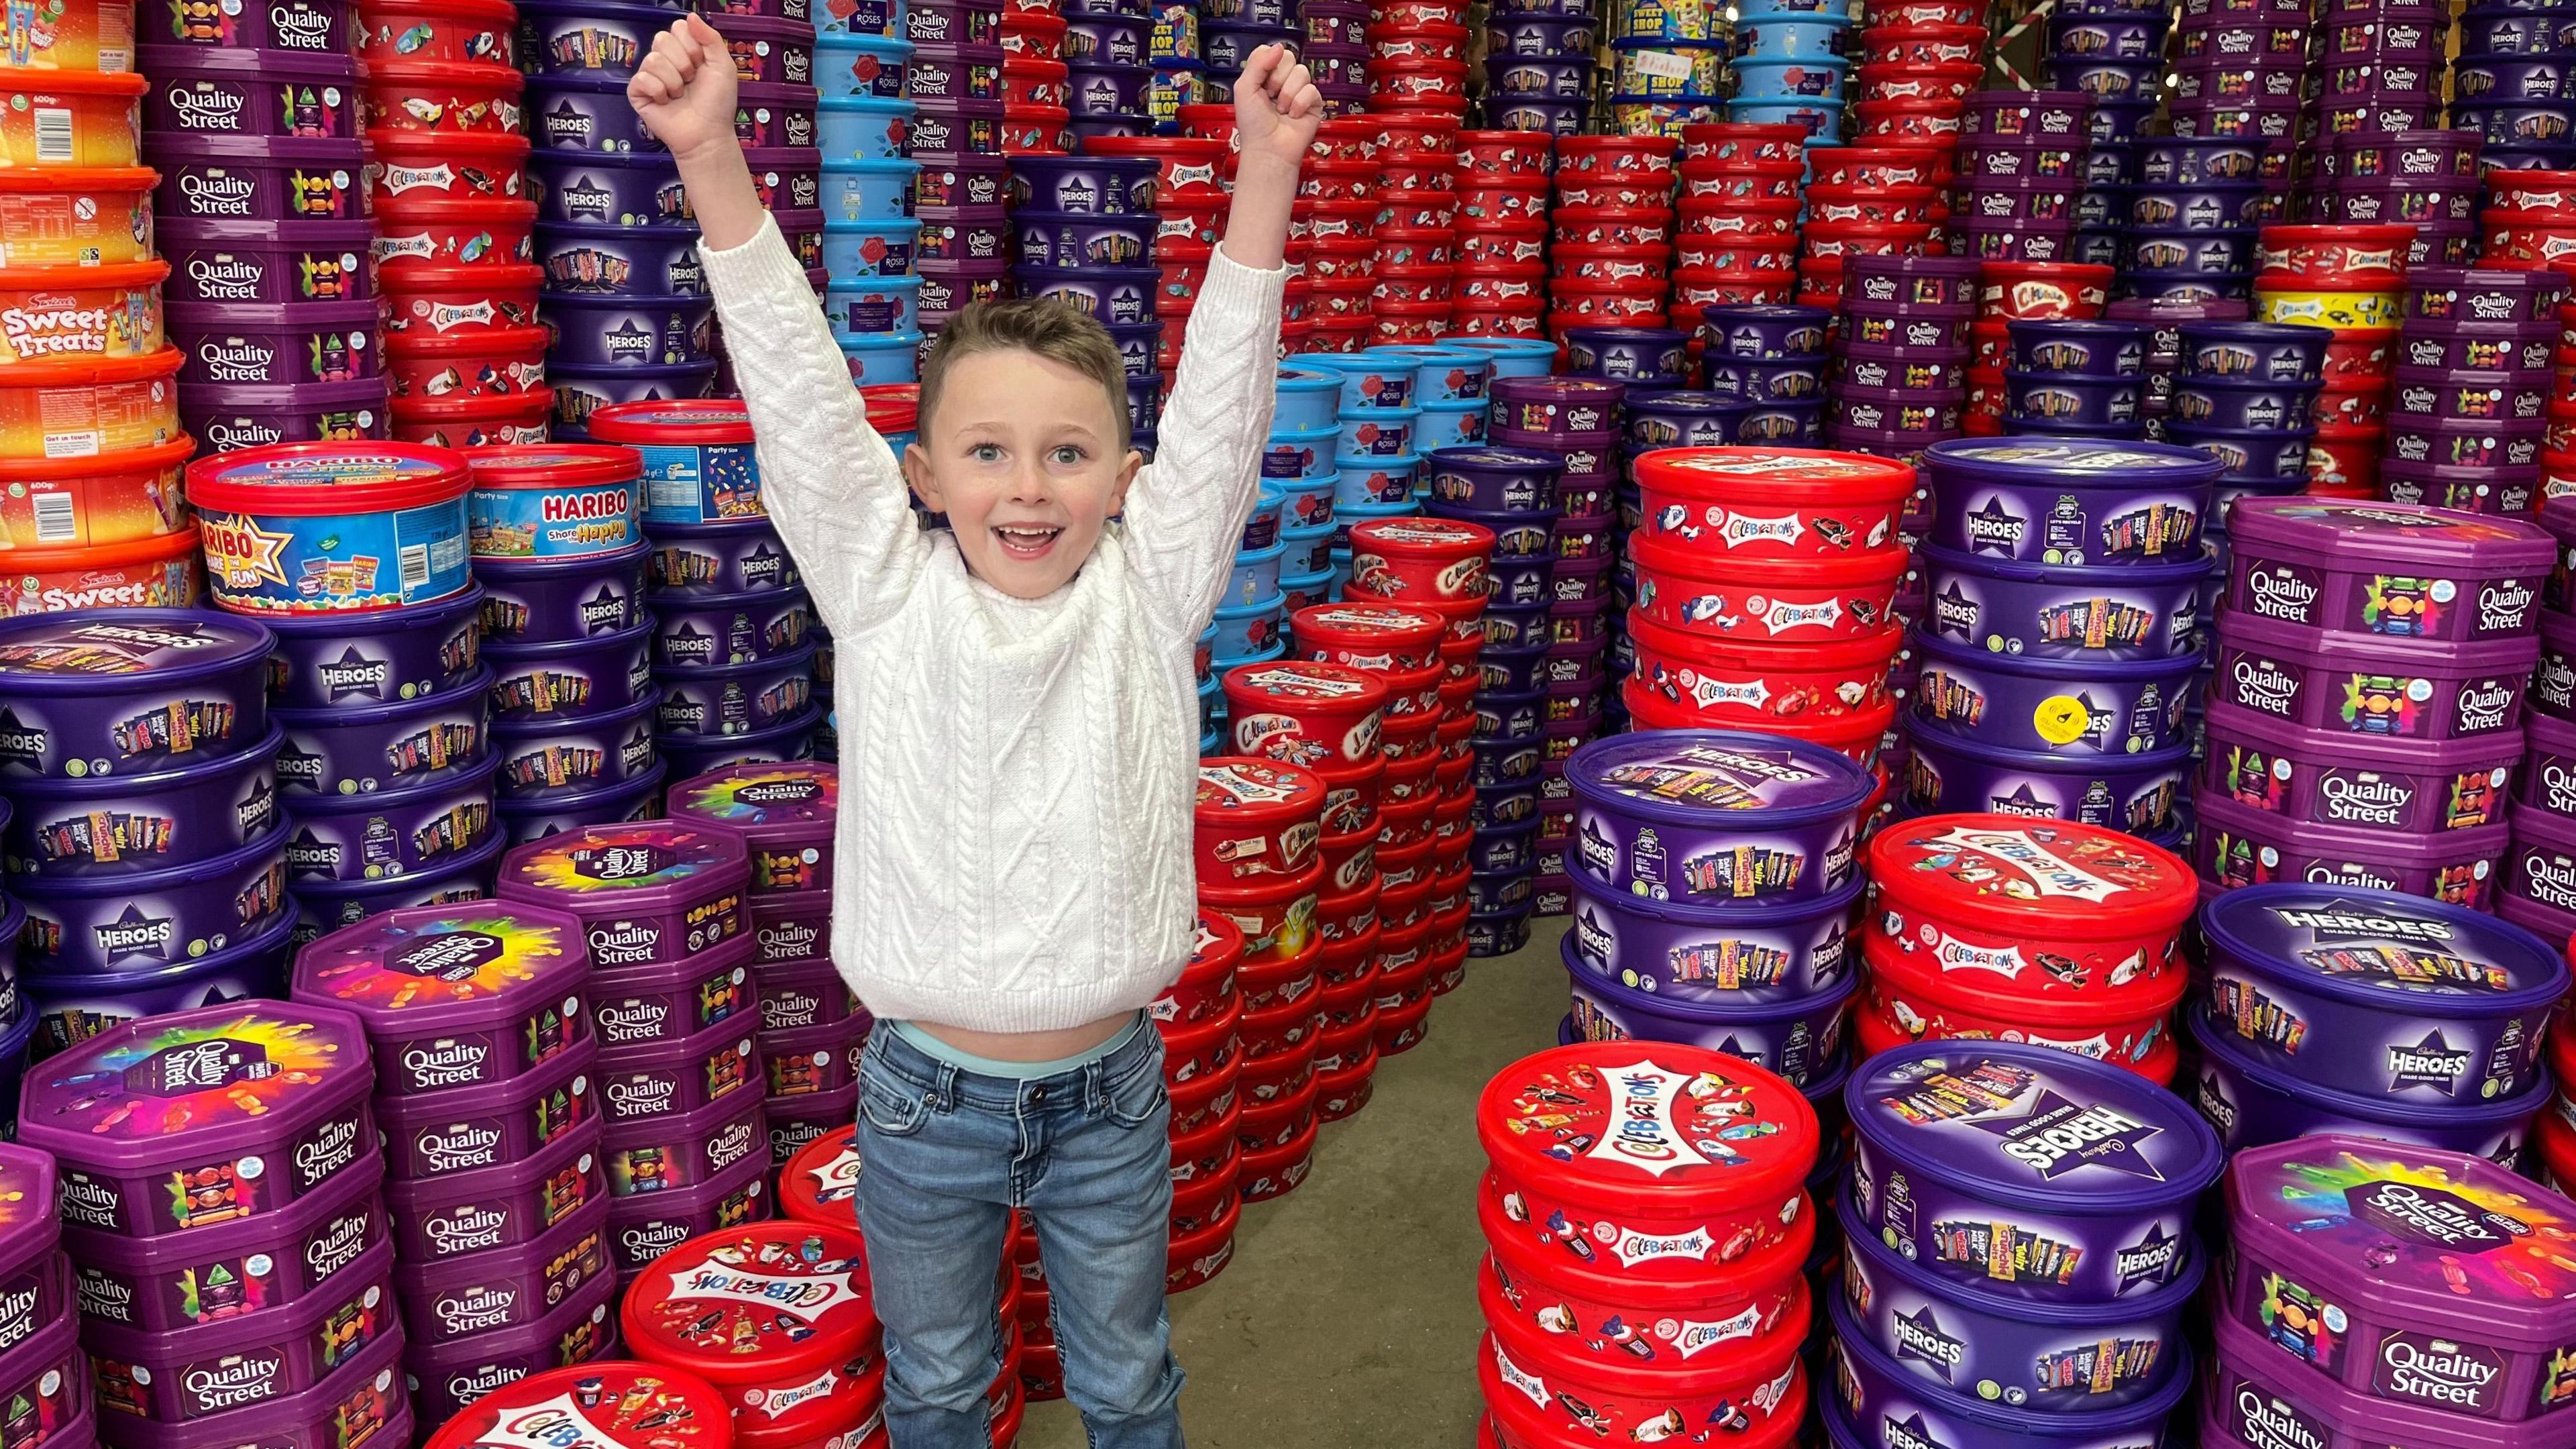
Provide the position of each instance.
(26, 1190)
(452, 960)
(629, 1405)
(616, 858)
(203, 1073)
(2412, 1223)
(752, 1295)
(757, 794)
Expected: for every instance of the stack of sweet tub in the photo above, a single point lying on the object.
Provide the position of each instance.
(1792, 67)
(91, 443)
(273, 313)
(2378, 655)
(1498, 273)
(2540, 874)
(1913, 79)
(1646, 1219)
(1739, 205)
(465, 356)
(954, 84)
(1110, 77)
(491, 1088)
(1085, 229)
(1538, 70)
(872, 297)
(1616, 275)
(1034, 76)
(145, 857)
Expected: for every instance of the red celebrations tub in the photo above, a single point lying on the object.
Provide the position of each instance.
(820, 1184)
(1258, 821)
(301, 528)
(2050, 932)
(1417, 559)
(1635, 1187)
(1319, 716)
(777, 1316)
(611, 1405)
(1770, 503)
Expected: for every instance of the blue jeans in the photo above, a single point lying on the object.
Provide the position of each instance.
(1087, 1152)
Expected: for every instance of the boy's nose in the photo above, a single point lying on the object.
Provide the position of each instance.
(1029, 485)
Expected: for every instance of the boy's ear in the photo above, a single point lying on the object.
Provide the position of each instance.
(925, 486)
(1126, 476)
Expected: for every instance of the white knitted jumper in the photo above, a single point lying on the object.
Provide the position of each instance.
(1016, 775)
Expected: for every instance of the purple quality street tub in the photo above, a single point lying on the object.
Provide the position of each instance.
(2332, 777)
(1799, 1038)
(2008, 1349)
(2373, 685)
(457, 1298)
(2380, 994)
(171, 912)
(447, 1377)
(2475, 393)
(657, 1154)
(1872, 1389)
(410, 652)
(1714, 816)
(2028, 1171)
(1955, 774)
(176, 1281)
(644, 1226)
(2475, 346)
(2070, 706)
(2425, 1290)
(440, 1134)
(125, 824)
(791, 928)
(253, 1105)
(280, 344)
(785, 812)
(573, 679)
(669, 1002)
(2548, 772)
(196, 1373)
(505, 1206)
(2252, 1104)
(349, 749)
(271, 262)
(229, 419)
(2235, 846)
(2124, 614)
(647, 893)
(408, 831)
(2055, 501)
(2386, 569)
(801, 994)
(102, 691)
(455, 996)
(673, 1080)
(735, 699)
(549, 600)
(1750, 956)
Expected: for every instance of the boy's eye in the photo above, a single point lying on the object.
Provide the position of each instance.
(1066, 454)
(986, 452)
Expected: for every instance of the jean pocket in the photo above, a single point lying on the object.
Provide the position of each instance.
(892, 1107)
(1140, 1100)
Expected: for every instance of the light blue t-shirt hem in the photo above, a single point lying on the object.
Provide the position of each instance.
(1013, 1071)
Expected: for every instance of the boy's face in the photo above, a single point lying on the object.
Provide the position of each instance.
(1023, 457)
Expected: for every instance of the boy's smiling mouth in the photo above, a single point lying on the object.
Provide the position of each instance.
(1027, 541)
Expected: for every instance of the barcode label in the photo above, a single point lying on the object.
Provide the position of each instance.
(53, 134)
(414, 559)
(56, 521)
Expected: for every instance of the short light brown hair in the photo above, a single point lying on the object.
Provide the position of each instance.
(1053, 329)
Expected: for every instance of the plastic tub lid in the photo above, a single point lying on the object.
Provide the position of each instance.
(1247, 791)
(758, 1303)
(682, 421)
(1705, 777)
(2437, 539)
(306, 479)
(2060, 878)
(29, 1225)
(779, 801)
(667, 860)
(2073, 463)
(2459, 962)
(2033, 1127)
(427, 969)
(1618, 1126)
(74, 653)
(619, 1404)
(1779, 473)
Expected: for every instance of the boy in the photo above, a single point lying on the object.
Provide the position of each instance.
(1019, 729)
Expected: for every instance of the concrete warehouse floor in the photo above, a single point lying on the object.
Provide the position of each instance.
(1347, 1319)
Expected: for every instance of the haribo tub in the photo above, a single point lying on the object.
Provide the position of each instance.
(2382, 994)
(1715, 816)
(647, 892)
(2028, 1170)
(455, 996)
(245, 1108)
(302, 527)
(2408, 1274)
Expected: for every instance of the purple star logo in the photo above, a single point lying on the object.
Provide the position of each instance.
(2058, 1137)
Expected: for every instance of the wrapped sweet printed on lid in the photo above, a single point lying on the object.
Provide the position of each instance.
(1715, 816)
(2385, 568)
(121, 691)
(820, 1184)
(1649, 1159)
(2409, 1274)
(608, 1405)
(783, 809)
(775, 1315)
(1771, 502)
(2078, 904)
(456, 996)
(1256, 818)
(202, 1117)
(2028, 1169)
(648, 891)
(2380, 993)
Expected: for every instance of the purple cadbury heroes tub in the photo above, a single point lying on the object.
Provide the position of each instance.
(1714, 816)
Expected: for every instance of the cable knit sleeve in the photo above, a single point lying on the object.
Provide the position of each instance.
(1185, 514)
(833, 488)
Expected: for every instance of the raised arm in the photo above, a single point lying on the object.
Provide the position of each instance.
(832, 487)
(1185, 514)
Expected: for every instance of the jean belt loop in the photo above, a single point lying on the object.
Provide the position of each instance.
(946, 1091)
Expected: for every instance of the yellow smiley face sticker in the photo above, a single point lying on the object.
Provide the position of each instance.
(2061, 719)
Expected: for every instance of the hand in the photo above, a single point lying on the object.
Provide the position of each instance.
(1276, 108)
(684, 90)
